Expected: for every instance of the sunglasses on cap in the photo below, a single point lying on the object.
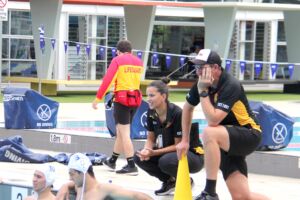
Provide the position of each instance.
(200, 67)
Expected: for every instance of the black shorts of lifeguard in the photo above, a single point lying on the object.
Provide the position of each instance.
(243, 141)
(123, 114)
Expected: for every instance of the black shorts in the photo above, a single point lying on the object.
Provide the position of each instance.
(243, 141)
(123, 114)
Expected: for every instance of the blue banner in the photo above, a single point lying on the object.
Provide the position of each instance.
(242, 66)
(154, 59)
(228, 65)
(113, 52)
(277, 127)
(258, 67)
(137, 128)
(274, 68)
(53, 41)
(168, 61)
(88, 49)
(181, 63)
(42, 44)
(77, 48)
(291, 70)
(13, 149)
(42, 38)
(27, 109)
(139, 54)
(66, 46)
(102, 53)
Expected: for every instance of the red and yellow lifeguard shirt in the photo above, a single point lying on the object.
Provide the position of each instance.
(124, 72)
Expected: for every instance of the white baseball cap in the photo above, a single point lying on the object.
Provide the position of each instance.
(207, 56)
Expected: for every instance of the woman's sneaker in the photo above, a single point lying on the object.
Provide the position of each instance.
(166, 188)
(133, 171)
(205, 196)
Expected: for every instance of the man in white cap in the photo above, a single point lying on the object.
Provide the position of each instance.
(42, 181)
(232, 132)
(83, 179)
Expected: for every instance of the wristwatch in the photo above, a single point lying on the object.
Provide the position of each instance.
(204, 93)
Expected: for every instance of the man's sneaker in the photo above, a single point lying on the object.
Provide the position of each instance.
(133, 171)
(205, 196)
(166, 188)
(109, 165)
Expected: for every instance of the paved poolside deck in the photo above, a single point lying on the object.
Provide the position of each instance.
(276, 187)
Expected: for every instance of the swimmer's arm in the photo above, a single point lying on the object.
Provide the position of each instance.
(117, 191)
(64, 191)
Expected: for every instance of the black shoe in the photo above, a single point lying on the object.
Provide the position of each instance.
(166, 188)
(205, 196)
(133, 171)
(111, 166)
(192, 182)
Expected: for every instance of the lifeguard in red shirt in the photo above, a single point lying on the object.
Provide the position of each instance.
(124, 73)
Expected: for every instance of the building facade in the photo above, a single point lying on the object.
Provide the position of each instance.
(89, 33)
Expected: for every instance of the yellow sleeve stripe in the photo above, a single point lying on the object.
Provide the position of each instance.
(199, 150)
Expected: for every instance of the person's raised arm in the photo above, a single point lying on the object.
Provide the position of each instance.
(186, 121)
(64, 191)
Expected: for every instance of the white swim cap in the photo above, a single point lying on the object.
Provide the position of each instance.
(79, 162)
(49, 173)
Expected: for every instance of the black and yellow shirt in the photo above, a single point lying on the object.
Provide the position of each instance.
(171, 128)
(230, 97)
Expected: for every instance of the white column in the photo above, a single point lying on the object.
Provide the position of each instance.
(242, 48)
(46, 13)
(273, 46)
(219, 23)
(139, 26)
(93, 47)
(292, 32)
(62, 68)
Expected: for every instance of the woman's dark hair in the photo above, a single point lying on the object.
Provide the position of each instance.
(161, 86)
(124, 46)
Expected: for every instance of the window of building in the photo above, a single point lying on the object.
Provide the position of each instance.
(116, 31)
(21, 49)
(281, 56)
(73, 29)
(188, 39)
(246, 44)
(21, 23)
(281, 32)
(97, 31)
(101, 26)
(18, 55)
(97, 36)
(5, 48)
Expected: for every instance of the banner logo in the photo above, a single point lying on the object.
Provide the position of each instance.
(279, 133)
(144, 119)
(9, 97)
(44, 112)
